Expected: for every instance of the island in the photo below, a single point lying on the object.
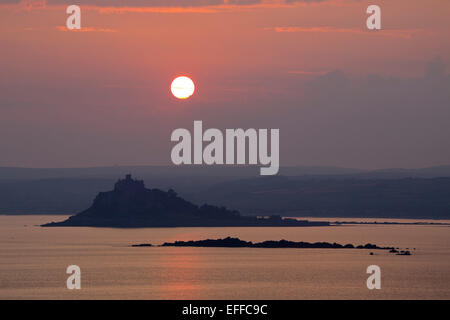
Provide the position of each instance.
(132, 205)
(230, 242)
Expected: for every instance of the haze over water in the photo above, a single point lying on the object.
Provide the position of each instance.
(33, 262)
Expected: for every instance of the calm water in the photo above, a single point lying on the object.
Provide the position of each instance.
(33, 261)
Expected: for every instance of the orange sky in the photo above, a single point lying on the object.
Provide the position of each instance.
(73, 93)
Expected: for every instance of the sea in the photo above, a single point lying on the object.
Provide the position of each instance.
(34, 261)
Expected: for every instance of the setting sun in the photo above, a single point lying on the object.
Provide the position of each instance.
(182, 87)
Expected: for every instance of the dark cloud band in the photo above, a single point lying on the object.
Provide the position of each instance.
(167, 3)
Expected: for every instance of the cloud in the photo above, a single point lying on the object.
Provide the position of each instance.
(161, 5)
(307, 73)
(139, 3)
(303, 1)
(22, 3)
(86, 29)
(395, 33)
(173, 3)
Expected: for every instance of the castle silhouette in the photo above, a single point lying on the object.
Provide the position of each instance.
(132, 205)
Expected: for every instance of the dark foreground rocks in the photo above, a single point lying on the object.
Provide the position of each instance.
(238, 243)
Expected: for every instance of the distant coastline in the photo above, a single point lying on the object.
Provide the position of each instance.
(297, 192)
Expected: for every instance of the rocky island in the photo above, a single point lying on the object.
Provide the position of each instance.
(132, 205)
(238, 243)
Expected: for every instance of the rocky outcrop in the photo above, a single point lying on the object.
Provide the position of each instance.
(238, 243)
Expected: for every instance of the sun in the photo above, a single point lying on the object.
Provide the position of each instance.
(182, 87)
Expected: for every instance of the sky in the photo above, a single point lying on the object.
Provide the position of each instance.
(340, 94)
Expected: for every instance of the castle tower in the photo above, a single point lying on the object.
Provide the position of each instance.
(129, 184)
